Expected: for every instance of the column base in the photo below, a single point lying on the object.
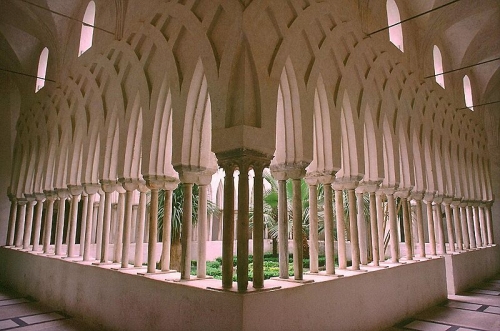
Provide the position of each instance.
(234, 289)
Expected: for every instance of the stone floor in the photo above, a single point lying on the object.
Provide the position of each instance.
(22, 313)
(476, 309)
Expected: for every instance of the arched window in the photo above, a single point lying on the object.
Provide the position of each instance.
(42, 69)
(438, 66)
(395, 32)
(87, 31)
(468, 93)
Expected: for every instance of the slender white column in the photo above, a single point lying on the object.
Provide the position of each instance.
(100, 224)
(393, 226)
(417, 197)
(404, 194)
(258, 226)
(201, 266)
(482, 224)
(12, 220)
(477, 228)
(457, 225)
(339, 213)
(90, 190)
(283, 228)
(49, 214)
(297, 229)
(40, 198)
(351, 196)
(63, 195)
(463, 225)
(228, 226)
(167, 229)
(120, 219)
(374, 229)
(438, 221)
(313, 230)
(129, 185)
(362, 232)
(380, 224)
(108, 187)
(430, 223)
(155, 185)
(242, 227)
(449, 224)
(29, 220)
(489, 223)
(75, 192)
(139, 234)
(470, 227)
(187, 223)
(83, 221)
(21, 218)
(328, 223)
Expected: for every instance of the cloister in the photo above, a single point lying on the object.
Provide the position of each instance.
(108, 105)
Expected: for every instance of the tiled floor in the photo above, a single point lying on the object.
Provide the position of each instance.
(20, 313)
(476, 309)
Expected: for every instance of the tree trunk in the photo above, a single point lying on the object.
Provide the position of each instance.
(175, 254)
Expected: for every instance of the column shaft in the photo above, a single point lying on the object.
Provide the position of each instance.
(47, 231)
(100, 225)
(60, 225)
(430, 227)
(393, 228)
(258, 229)
(12, 222)
(83, 222)
(380, 226)
(139, 234)
(449, 227)
(439, 226)
(339, 213)
(420, 227)
(127, 228)
(283, 229)
(228, 229)
(482, 224)
(407, 229)
(470, 227)
(38, 225)
(120, 218)
(477, 228)
(21, 218)
(153, 231)
(88, 227)
(362, 232)
(374, 229)
(464, 226)
(458, 228)
(313, 229)
(72, 225)
(167, 231)
(106, 227)
(242, 229)
(28, 224)
(328, 223)
(489, 224)
(351, 195)
(187, 223)
(201, 266)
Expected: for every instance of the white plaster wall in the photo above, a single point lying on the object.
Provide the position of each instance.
(466, 269)
(118, 301)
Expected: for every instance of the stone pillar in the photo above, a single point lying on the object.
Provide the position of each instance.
(470, 226)
(12, 220)
(393, 226)
(49, 213)
(328, 228)
(108, 187)
(428, 197)
(403, 195)
(477, 228)
(351, 196)
(139, 234)
(167, 228)
(155, 184)
(313, 228)
(228, 225)
(201, 266)
(339, 213)
(187, 222)
(482, 223)
(90, 190)
(120, 219)
(63, 194)
(21, 218)
(130, 185)
(75, 192)
(28, 224)
(40, 198)
(361, 223)
(438, 221)
(489, 223)
(242, 227)
(100, 223)
(449, 223)
(380, 224)
(456, 223)
(258, 226)
(417, 197)
(283, 228)
(83, 221)
(463, 225)
(374, 228)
